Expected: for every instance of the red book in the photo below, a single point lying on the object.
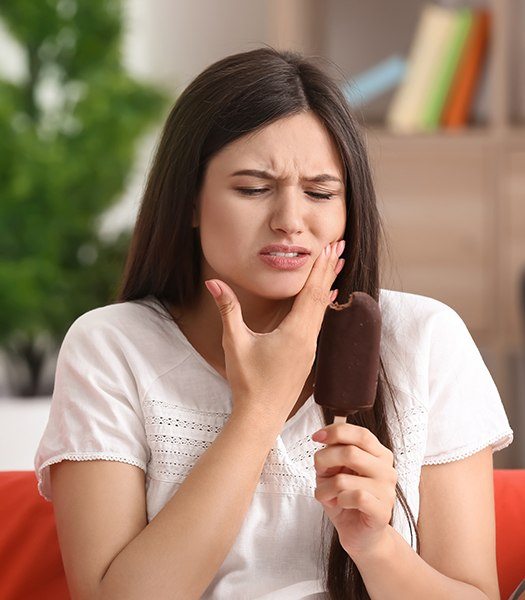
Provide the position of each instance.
(459, 101)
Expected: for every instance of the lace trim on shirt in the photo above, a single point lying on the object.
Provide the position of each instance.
(185, 423)
(43, 471)
(498, 442)
(292, 469)
(408, 438)
(178, 439)
(280, 470)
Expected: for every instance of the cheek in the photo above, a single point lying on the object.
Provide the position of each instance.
(216, 225)
(341, 216)
(332, 226)
(338, 223)
(223, 237)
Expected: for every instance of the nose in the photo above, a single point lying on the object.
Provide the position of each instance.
(288, 210)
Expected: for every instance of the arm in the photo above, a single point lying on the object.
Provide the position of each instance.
(110, 551)
(457, 532)
(182, 548)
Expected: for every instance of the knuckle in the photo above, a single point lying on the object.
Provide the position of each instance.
(317, 461)
(318, 295)
(394, 476)
(360, 497)
(392, 497)
(339, 480)
(351, 454)
(365, 435)
(227, 307)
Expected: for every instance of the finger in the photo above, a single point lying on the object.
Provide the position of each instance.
(331, 272)
(229, 308)
(329, 461)
(310, 304)
(367, 503)
(333, 296)
(330, 488)
(348, 433)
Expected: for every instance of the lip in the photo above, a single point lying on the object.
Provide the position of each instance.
(283, 248)
(283, 263)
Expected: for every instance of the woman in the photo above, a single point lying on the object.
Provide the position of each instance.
(184, 451)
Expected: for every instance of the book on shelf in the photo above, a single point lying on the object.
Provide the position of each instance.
(468, 75)
(375, 81)
(446, 68)
(443, 68)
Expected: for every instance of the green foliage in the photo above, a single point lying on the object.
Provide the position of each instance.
(64, 162)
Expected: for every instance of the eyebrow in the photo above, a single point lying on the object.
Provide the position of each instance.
(266, 175)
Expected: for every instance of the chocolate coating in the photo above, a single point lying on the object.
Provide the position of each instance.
(347, 366)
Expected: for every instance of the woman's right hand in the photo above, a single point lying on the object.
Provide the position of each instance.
(267, 371)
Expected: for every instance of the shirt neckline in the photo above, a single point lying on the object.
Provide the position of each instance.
(287, 424)
(187, 342)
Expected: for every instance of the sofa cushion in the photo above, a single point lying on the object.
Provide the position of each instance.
(509, 496)
(32, 564)
(29, 550)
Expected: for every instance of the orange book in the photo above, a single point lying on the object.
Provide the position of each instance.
(459, 101)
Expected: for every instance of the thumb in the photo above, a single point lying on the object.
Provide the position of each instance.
(228, 305)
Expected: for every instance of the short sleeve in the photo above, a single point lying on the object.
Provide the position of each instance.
(466, 413)
(95, 409)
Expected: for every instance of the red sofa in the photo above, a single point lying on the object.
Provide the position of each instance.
(31, 565)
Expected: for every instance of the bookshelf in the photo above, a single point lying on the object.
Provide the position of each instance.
(453, 202)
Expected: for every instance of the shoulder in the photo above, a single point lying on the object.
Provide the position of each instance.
(408, 308)
(416, 319)
(123, 321)
(416, 336)
(124, 343)
(119, 315)
(137, 334)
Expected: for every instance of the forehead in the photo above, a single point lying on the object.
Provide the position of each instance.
(299, 144)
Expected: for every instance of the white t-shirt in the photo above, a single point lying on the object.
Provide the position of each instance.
(130, 387)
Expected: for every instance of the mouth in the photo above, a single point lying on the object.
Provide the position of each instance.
(284, 250)
(288, 262)
(285, 254)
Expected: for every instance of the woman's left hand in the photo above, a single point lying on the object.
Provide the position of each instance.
(356, 484)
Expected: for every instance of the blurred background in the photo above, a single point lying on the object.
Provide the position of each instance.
(85, 86)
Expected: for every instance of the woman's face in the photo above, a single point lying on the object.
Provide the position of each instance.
(238, 215)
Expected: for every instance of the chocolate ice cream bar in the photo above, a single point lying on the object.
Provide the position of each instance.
(347, 366)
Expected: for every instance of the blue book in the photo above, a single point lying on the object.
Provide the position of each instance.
(373, 82)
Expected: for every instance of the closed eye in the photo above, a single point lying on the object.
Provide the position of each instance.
(255, 191)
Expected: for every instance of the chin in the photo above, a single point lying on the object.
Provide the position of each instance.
(279, 293)
(269, 287)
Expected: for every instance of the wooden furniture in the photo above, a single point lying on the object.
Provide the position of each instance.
(453, 204)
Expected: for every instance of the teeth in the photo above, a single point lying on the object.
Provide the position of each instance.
(289, 255)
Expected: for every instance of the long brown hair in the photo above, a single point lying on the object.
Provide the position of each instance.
(232, 97)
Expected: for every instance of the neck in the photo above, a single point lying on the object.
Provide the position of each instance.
(261, 315)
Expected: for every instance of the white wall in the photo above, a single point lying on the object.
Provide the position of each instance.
(167, 43)
(170, 41)
(22, 423)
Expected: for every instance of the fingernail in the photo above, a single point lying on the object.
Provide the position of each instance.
(333, 296)
(327, 250)
(319, 436)
(339, 266)
(340, 247)
(214, 288)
